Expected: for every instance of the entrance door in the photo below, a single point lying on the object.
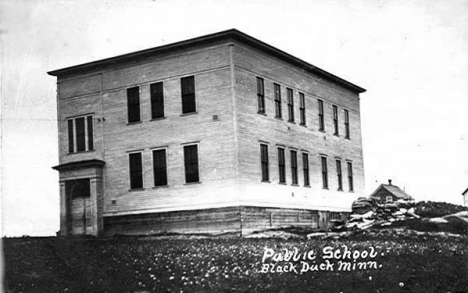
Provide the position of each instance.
(323, 220)
(79, 195)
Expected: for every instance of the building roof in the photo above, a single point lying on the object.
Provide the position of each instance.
(232, 34)
(394, 190)
(465, 192)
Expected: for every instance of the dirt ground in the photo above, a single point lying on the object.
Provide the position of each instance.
(399, 263)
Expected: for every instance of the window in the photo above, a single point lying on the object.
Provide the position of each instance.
(339, 175)
(80, 134)
(281, 166)
(324, 173)
(294, 167)
(133, 104)
(157, 100)
(160, 167)
(350, 176)
(188, 94)
(191, 163)
(389, 198)
(305, 167)
(278, 111)
(79, 188)
(261, 95)
(290, 105)
(302, 108)
(346, 122)
(335, 120)
(320, 115)
(136, 171)
(264, 162)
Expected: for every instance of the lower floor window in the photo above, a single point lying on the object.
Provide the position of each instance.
(160, 167)
(136, 171)
(191, 163)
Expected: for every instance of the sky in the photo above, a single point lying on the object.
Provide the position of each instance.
(411, 56)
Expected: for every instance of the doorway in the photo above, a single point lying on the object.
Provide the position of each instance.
(78, 194)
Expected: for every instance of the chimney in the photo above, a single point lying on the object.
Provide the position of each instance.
(389, 181)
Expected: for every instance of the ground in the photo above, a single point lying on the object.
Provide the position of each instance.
(403, 263)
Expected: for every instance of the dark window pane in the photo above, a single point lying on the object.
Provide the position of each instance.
(264, 162)
(191, 163)
(302, 108)
(338, 174)
(335, 120)
(136, 171)
(133, 104)
(294, 167)
(350, 176)
(157, 100)
(347, 134)
(321, 119)
(90, 132)
(71, 137)
(305, 165)
(278, 110)
(281, 166)
(260, 95)
(160, 167)
(80, 134)
(77, 188)
(290, 105)
(188, 94)
(324, 173)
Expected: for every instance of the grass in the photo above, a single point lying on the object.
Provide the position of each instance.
(131, 264)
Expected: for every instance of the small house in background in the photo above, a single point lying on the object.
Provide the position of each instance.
(465, 197)
(390, 193)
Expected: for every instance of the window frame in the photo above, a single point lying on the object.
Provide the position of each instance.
(346, 123)
(281, 165)
(132, 171)
(336, 130)
(196, 176)
(294, 175)
(290, 97)
(350, 176)
(189, 98)
(87, 136)
(157, 100)
(321, 113)
(277, 91)
(260, 95)
(302, 109)
(264, 163)
(305, 169)
(133, 105)
(339, 174)
(165, 176)
(324, 166)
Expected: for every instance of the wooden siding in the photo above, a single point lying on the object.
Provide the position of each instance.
(255, 128)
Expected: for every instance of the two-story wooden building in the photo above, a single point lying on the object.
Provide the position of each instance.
(221, 133)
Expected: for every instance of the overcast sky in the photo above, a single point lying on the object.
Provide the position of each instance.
(411, 56)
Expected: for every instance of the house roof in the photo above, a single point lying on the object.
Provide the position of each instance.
(394, 190)
(465, 192)
(232, 34)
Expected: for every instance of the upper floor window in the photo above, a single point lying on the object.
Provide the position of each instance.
(80, 134)
(290, 105)
(191, 163)
(133, 104)
(305, 167)
(320, 115)
(339, 175)
(335, 120)
(302, 108)
(281, 166)
(264, 162)
(350, 176)
(278, 111)
(136, 170)
(294, 167)
(160, 167)
(261, 95)
(346, 122)
(157, 100)
(324, 173)
(187, 85)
